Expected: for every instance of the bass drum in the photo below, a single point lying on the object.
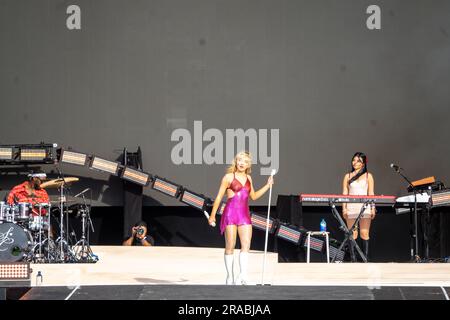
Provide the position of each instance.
(15, 242)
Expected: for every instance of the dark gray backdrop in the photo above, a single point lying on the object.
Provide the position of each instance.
(137, 70)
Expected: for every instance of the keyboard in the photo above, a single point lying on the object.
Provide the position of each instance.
(341, 198)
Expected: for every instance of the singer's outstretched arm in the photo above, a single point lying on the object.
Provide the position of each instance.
(255, 195)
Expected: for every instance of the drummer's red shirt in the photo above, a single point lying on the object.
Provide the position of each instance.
(20, 194)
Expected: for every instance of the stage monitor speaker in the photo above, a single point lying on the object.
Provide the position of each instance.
(436, 229)
(289, 211)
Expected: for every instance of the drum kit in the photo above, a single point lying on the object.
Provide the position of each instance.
(27, 233)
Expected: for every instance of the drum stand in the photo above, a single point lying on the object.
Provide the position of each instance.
(39, 243)
(41, 222)
(63, 244)
(64, 252)
(61, 226)
(49, 233)
(349, 232)
(85, 253)
(37, 240)
(50, 249)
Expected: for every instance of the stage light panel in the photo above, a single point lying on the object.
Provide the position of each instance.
(14, 271)
(290, 233)
(166, 187)
(440, 198)
(135, 176)
(338, 253)
(316, 244)
(6, 153)
(73, 157)
(260, 222)
(33, 154)
(194, 199)
(104, 165)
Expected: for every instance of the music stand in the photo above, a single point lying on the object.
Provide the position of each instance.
(349, 232)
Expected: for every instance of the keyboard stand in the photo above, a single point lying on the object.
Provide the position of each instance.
(349, 232)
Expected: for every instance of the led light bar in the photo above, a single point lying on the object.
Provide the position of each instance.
(14, 271)
(440, 198)
(316, 244)
(195, 200)
(74, 157)
(33, 154)
(135, 176)
(338, 253)
(260, 222)
(290, 233)
(6, 153)
(105, 165)
(166, 187)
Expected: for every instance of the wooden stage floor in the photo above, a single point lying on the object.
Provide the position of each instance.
(119, 265)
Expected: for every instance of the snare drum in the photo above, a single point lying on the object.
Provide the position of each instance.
(37, 223)
(40, 209)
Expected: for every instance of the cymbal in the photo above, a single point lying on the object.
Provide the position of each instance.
(57, 202)
(56, 183)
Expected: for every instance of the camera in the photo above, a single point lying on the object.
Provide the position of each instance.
(140, 231)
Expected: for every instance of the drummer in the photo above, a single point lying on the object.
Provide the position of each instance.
(30, 192)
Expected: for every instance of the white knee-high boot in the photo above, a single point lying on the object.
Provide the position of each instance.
(229, 262)
(243, 264)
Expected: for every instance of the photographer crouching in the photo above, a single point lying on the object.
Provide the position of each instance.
(139, 236)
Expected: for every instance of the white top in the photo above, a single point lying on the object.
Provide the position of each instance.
(359, 187)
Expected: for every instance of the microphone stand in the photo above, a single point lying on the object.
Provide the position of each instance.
(61, 208)
(267, 235)
(90, 207)
(427, 224)
(62, 232)
(414, 238)
(85, 253)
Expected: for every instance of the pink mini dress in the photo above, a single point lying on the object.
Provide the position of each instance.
(236, 211)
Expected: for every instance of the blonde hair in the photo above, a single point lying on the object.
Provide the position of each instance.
(233, 167)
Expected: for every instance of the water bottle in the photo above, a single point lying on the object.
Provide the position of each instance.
(39, 279)
(323, 225)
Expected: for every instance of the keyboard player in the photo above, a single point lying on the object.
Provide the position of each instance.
(358, 182)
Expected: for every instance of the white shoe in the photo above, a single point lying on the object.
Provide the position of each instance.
(229, 265)
(243, 264)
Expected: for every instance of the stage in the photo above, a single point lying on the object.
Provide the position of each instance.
(198, 273)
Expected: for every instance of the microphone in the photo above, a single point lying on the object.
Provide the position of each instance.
(207, 217)
(82, 192)
(395, 167)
